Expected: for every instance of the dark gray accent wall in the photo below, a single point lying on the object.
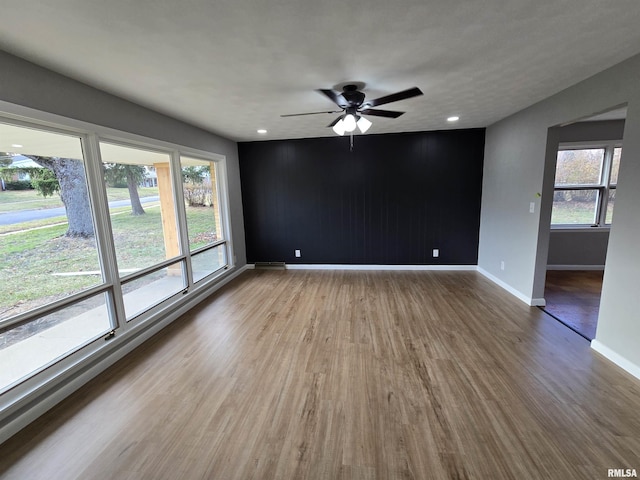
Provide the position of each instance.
(392, 200)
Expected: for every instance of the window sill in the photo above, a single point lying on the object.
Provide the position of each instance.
(579, 228)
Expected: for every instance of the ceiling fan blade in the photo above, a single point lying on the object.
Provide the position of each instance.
(310, 113)
(381, 113)
(394, 97)
(335, 97)
(334, 122)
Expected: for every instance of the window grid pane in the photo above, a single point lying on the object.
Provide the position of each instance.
(199, 183)
(143, 218)
(574, 207)
(207, 262)
(28, 348)
(49, 251)
(615, 165)
(143, 293)
(610, 204)
(579, 167)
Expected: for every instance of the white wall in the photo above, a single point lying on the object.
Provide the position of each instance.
(519, 162)
(28, 85)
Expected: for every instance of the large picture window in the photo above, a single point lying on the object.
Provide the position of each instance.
(97, 236)
(585, 185)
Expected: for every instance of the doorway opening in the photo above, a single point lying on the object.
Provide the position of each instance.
(588, 158)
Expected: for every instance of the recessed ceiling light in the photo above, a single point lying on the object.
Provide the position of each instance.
(262, 131)
(453, 119)
(16, 145)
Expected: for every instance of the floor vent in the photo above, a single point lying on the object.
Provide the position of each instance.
(271, 265)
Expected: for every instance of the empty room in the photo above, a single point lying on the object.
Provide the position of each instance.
(319, 240)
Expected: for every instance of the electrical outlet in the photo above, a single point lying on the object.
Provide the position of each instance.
(532, 207)
(502, 265)
(436, 252)
(298, 253)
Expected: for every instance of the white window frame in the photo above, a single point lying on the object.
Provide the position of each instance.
(603, 187)
(29, 389)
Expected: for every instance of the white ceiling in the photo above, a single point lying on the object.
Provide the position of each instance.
(233, 66)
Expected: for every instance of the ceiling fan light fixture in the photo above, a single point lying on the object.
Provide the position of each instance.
(363, 124)
(352, 105)
(339, 127)
(349, 122)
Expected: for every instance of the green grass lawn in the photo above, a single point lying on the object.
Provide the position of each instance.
(15, 200)
(201, 226)
(28, 261)
(30, 258)
(573, 213)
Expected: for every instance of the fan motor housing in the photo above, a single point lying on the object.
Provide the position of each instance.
(352, 95)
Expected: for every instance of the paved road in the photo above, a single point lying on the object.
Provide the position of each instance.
(9, 218)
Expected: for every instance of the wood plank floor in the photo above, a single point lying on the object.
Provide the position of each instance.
(573, 296)
(346, 375)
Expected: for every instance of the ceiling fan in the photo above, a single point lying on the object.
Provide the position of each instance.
(353, 106)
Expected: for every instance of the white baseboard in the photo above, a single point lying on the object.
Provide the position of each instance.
(575, 267)
(538, 302)
(31, 409)
(532, 302)
(616, 358)
(378, 267)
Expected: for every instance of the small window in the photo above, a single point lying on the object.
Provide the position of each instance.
(585, 183)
